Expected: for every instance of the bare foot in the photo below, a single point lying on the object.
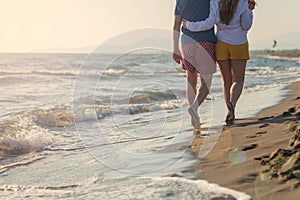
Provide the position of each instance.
(230, 116)
(194, 117)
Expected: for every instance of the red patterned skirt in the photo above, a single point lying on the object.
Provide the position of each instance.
(199, 57)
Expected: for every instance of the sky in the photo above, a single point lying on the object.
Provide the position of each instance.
(81, 25)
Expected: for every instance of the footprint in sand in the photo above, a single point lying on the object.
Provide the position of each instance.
(250, 178)
(262, 132)
(292, 110)
(293, 126)
(265, 118)
(252, 146)
(298, 115)
(252, 136)
(286, 114)
(258, 134)
(264, 125)
(262, 157)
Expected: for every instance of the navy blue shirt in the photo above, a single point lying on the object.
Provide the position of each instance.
(194, 10)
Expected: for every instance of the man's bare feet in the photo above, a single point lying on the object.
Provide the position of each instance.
(195, 119)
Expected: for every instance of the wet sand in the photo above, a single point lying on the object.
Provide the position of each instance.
(255, 155)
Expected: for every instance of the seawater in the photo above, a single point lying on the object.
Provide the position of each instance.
(106, 126)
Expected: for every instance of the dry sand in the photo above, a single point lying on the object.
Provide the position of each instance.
(242, 160)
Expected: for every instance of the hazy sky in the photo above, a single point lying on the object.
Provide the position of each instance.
(66, 25)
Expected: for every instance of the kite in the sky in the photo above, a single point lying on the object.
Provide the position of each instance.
(274, 43)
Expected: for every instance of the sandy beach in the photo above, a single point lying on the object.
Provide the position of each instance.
(259, 155)
(126, 139)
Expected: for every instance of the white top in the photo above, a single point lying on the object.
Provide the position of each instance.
(235, 32)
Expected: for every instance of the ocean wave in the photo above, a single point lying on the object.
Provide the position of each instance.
(270, 70)
(31, 131)
(131, 109)
(55, 117)
(274, 84)
(111, 71)
(128, 188)
(151, 96)
(21, 136)
(122, 107)
(126, 63)
(277, 57)
(32, 72)
(15, 188)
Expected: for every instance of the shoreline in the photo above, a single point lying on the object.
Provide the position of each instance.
(242, 160)
(293, 53)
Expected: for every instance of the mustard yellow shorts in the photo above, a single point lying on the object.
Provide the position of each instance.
(225, 51)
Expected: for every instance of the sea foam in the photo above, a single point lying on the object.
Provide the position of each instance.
(22, 135)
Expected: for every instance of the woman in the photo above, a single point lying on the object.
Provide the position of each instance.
(233, 19)
(198, 52)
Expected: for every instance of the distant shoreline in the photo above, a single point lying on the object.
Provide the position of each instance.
(293, 53)
(288, 53)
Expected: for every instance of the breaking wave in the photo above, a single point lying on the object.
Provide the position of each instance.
(21, 135)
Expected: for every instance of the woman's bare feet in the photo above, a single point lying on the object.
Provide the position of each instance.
(195, 119)
(231, 115)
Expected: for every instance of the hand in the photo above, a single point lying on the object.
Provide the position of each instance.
(251, 4)
(177, 56)
(184, 23)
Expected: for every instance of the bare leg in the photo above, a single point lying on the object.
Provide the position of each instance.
(226, 72)
(191, 86)
(203, 91)
(238, 72)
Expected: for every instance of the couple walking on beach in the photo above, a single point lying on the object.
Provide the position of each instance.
(201, 48)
